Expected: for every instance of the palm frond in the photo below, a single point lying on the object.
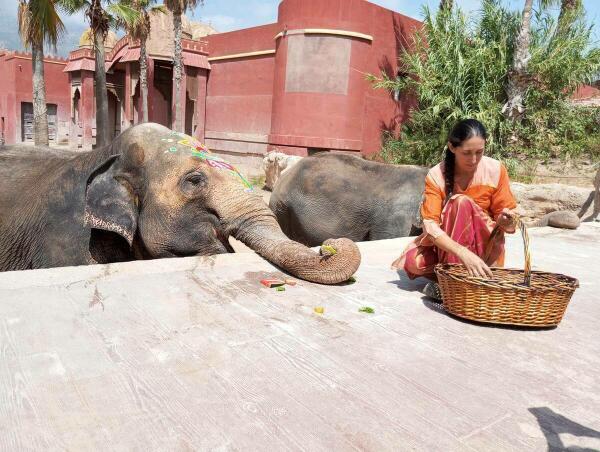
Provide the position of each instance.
(73, 6)
(39, 22)
(122, 14)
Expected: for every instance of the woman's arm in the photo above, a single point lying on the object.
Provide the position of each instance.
(474, 264)
(503, 203)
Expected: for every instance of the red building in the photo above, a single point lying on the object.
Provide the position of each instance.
(16, 107)
(297, 85)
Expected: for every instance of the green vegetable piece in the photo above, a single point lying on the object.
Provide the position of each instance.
(351, 280)
(280, 289)
(367, 309)
(330, 249)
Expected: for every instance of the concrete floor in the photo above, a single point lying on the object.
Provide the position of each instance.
(194, 353)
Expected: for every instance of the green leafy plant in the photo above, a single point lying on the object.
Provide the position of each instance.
(458, 68)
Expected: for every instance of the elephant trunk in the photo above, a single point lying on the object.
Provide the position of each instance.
(253, 223)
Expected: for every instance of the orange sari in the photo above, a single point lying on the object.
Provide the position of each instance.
(468, 218)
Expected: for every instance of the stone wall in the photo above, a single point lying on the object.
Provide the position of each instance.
(535, 201)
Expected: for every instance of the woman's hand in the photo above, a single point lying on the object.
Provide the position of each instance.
(475, 265)
(507, 221)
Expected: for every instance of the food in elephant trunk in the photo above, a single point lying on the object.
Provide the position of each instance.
(267, 239)
(251, 221)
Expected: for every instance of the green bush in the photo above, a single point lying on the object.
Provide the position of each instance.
(458, 69)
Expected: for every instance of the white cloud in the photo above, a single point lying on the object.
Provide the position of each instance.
(222, 22)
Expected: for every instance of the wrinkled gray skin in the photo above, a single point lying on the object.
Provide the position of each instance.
(136, 200)
(336, 195)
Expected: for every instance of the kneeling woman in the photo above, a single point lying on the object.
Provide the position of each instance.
(465, 196)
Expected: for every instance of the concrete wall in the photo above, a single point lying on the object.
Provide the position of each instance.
(16, 87)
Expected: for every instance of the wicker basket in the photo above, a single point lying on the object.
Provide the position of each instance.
(512, 297)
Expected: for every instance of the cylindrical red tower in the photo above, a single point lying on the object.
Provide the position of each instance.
(319, 86)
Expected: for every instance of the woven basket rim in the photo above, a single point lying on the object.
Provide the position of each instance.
(499, 322)
(446, 270)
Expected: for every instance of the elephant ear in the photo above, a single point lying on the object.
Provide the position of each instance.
(108, 204)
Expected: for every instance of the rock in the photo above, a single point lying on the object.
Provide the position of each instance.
(275, 164)
(536, 201)
(563, 219)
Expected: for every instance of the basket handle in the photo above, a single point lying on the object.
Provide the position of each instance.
(494, 235)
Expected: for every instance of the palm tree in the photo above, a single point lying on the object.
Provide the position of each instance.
(517, 82)
(101, 19)
(39, 23)
(178, 7)
(140, 29)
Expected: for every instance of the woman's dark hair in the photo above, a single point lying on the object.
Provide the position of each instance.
(462, 131)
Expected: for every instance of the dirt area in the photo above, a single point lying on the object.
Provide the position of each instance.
(579, 173)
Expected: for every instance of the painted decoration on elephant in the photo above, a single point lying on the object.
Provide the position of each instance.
(201, 151)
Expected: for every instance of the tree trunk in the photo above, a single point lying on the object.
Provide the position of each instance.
(103, 135)
(144, 78)
(40, 113)
(177, 71)
(596, 211)
(446, 4)
(569, 10)
(517, 77)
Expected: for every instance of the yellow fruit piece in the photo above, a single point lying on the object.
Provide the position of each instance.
(329, 249)
(319, 309)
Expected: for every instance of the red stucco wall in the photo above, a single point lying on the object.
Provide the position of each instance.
(249, 109)
(16, 87)
(335, 121)
(586, 92)
(239, 91)
(304, 91)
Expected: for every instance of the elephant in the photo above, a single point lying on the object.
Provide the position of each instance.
(151, 193)
(341, 195)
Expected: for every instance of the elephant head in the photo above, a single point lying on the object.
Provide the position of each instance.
(166, 194)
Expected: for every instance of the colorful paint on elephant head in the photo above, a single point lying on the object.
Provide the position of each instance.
(180, 142)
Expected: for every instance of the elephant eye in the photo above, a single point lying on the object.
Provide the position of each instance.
(193, 181)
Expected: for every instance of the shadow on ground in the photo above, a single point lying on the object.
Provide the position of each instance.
(405, 283)
(553, 424)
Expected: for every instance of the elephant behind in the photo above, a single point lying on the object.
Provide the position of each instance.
(152, 193)
(338, 195)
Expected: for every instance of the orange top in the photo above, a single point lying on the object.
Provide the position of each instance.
(489, 188)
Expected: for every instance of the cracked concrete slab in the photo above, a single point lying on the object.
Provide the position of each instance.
(194, 353)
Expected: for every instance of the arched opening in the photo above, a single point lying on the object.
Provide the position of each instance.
(76, 100)
(114, 113)
(190, 105)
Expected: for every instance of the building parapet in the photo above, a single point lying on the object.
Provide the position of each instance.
(10, 54)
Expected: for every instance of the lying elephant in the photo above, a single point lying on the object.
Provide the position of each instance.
(337, 195)
(152, 193)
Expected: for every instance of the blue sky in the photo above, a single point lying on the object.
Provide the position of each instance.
(227, 15)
